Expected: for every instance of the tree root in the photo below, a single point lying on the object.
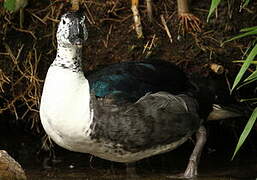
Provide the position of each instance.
(189, 22)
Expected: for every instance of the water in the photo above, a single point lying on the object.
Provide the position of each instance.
(104, 175)
(76, 166)
(215, 162)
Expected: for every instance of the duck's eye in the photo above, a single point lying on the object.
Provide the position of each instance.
(64, 22)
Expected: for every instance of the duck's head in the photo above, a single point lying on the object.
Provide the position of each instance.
(211, 91)
(72, 30)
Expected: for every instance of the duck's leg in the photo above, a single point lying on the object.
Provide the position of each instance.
(137, 20)
(188, 21)
(191, 170)
(131, 171)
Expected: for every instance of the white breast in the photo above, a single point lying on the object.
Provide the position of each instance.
(65, 107)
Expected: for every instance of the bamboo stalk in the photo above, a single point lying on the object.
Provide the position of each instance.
(188, 21)
(21, 17)
(75, 5)
(182, 6)
(137, 20)
(149, 10)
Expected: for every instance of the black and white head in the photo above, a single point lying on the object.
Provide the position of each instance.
(72, 30)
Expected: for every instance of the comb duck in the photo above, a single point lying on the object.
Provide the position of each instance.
(124, 112)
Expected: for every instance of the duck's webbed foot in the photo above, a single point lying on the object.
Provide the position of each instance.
(192, 166)
(191, 170)
(189, 22)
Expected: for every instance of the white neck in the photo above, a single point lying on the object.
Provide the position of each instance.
(69, 58)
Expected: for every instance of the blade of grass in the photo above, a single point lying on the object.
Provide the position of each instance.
(245, 66)
(253, 32)
(249, 48)
(242, 61)
(251, 99)
(246, 2)
(252, 76)
(246, 82)
(248, 29)
(246, 131)
(214, 5)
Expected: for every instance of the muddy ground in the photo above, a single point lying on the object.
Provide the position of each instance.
(26, 53)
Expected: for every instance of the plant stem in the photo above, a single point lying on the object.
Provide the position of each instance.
(149, 10)
(21, 17)
(136, 15)
(75, 5)
(182, 6)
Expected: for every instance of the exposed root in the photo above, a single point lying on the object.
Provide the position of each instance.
(47, 143)
(189, 22)
(29, 93)
(207, 42)
(4, 79)
(47, 152)
(149, 46)
(20, 84)
(166, 28)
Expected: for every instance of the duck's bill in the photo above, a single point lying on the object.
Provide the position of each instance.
(225, 112)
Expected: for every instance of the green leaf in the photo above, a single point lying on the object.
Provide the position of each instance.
(9, 5)
(250, 99)
(214, 5)
(248, 29)
(246, 131)
(246, 82)
(246, 2)
(253, 32)
(252, 76)
(15, 5)
(245, 66)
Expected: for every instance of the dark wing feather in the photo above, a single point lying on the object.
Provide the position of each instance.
(156, 119)
(128, 81)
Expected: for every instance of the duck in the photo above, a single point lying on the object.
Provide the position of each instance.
(124, 112)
